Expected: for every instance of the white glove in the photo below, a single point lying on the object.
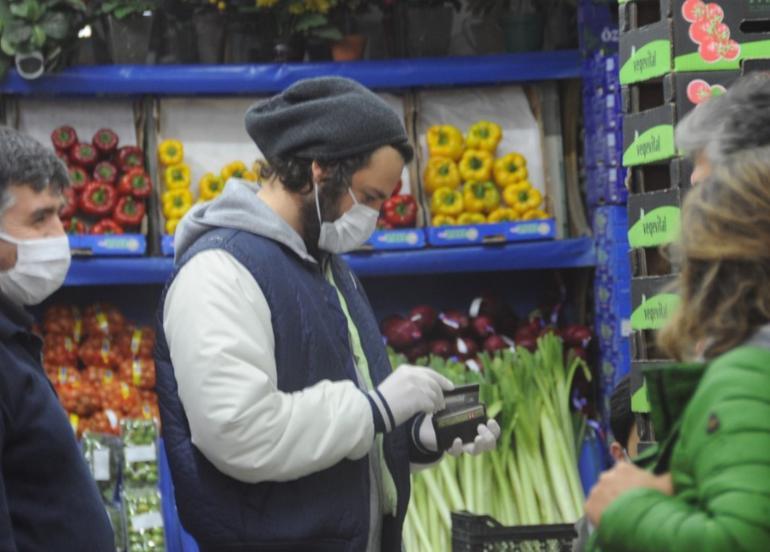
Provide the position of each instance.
(407, 392)
(486, 438)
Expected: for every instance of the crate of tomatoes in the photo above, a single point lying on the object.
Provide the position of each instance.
(105, 209)
(101, 366)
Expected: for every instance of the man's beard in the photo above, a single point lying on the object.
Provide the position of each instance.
(311, 227)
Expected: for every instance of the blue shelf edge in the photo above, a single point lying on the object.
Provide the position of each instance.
(572, 253)
(266, 78)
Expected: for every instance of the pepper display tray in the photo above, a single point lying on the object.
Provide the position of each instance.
(381, 240)
(530, 230)
(124, 245)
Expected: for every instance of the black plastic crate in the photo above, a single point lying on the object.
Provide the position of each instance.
(471, 533)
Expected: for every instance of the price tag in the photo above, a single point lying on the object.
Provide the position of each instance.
(136, 369)
(143, 522)
(101, 465)
(101, 320)
(141, 454)
(136, 341)
(105, 350)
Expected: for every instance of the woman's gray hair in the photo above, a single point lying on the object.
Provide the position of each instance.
(26, 162)
(737, 121)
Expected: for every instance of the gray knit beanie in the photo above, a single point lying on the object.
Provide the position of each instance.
(324, 119)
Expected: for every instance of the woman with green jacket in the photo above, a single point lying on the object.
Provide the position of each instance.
(706, 485)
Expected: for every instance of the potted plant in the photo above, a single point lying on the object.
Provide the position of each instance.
(351, 46)
(197, 26)
(427, 26)
(38, 35)
(296, 21)
(130, 24)
(482, 30)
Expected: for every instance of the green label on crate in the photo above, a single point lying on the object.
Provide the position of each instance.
(654, 144)
(657, 227)
(651, 60)
(759, 49)
(653, 313)
(640, 403)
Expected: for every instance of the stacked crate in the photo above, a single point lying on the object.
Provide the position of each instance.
(673, 56)
(606, 192)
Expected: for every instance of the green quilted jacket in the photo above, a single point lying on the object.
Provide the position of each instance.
(713, 426)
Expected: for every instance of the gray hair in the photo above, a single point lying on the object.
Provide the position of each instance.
(26, 162)
(736, 121)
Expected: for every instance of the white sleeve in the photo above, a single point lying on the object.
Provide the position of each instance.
(218, 327)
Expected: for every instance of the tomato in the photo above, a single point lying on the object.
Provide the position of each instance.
(701, 31)
(103, 319)
(714, 12)
(709, 51)
(64, 320)
(138, 372)
(698, 90)
(100, 351)
(722, 33)
(732, 51)
(136, 342)
(60, 349)
(693, 10)
(59, 375)
(120, 397)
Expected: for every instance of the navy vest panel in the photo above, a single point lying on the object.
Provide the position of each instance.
(328, 510)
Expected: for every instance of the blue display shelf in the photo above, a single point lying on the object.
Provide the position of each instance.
(574, 253)
(229, 80)
(520, 231)
(130, 245)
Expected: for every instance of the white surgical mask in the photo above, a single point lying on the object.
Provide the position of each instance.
(41, 266)
(348, 232)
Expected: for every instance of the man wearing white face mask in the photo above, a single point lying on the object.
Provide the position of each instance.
(48, 500)
(286, 427)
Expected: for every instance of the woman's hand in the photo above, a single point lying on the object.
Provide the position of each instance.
(620, 479)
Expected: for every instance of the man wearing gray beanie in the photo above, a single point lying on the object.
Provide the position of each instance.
(285, 425)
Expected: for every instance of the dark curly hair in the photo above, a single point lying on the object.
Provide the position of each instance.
(297, 175)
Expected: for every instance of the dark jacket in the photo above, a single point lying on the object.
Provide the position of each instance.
(48, 499)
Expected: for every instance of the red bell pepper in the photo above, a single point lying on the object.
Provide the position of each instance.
(105, 141)
(105, 172)
(401, 211)
(64, 138)
(84, 155)
(136, 183)
(63, 156)
(70, 205)
(130, 157)
(78, 178)
(98, 199)
(383, 224)
(75, 226)
(129, 211)
(107, 226)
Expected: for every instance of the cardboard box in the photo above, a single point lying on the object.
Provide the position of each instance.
(654, 218)
(656, 177)
(652, 303)
(684, 90)
(648, 137)
(734, 31)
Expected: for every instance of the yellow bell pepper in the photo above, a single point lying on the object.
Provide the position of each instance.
(211, 185)
(235, 169)
(446, 201)
(534, 214)
(445, 141)
(170, 152)
(471, 218)
(522, 200)
(176, 203)
(251, 176)
(441, 172)
(476, 165)
(444, 220)
(511, 192)
(503, 214)
(171, 225)
(177, 177)
(480, 197)
(510, 169)
(484, 135)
